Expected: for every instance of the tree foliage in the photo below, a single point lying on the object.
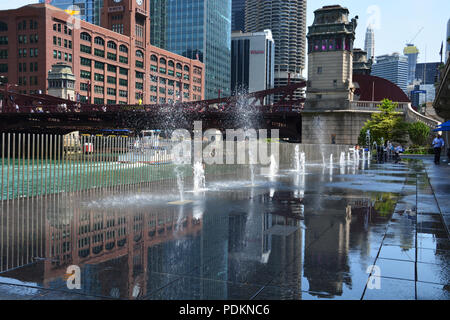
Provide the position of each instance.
(387, 124)
(419, 133)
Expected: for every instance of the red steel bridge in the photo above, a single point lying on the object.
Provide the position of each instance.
(41, 113)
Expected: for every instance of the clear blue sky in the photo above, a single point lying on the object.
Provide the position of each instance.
(397, 21)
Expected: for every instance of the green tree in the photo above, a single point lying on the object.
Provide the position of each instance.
(387, 124)
(419, 133)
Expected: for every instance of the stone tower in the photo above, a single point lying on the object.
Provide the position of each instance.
(330, 59)
(61, 81)
(328, 117)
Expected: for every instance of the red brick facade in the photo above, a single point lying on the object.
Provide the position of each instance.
(109, 67)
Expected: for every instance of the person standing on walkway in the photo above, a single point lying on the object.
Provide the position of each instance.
(438, 143)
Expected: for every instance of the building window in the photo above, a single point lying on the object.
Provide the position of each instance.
(162, 70)
(153, 58)
(85, 36)
(139, 85)
(85, 49)
(112, 68)
(111, 91)
(139, 54)
(99, 53)
(153, 88)
(186, 68)
(139, 75)
(111, 56)
(123, 48)
(123, 82)
(99, 77)
(85, 61)
(319, 70)
(3, 40)
(99, 65)
(123, 93)
(162, 90)
(123, 71)
(123, 59)
(112, 45)
(139, 64)
(179, 66)
(99, 89)
(84, 86)
(99, 41)
(85, 74)
(98, 100)
(3, 26)
(111, 80)
(162, 80)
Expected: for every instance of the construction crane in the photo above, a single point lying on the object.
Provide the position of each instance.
(414, 38)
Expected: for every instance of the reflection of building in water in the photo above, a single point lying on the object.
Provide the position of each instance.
(110, 247)
(21, 227)
(266, 234)
(326, 251)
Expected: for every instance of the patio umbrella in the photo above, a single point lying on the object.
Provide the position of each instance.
(443, 127)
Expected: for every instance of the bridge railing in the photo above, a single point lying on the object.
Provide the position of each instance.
(414, 116)
(373, 106)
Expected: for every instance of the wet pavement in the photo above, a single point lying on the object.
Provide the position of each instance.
(326, 233)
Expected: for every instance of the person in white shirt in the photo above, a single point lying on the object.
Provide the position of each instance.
(438, 144)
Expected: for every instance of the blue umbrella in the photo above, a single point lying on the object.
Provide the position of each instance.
(443, 127)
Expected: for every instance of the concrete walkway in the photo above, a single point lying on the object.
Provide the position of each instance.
(417, 268)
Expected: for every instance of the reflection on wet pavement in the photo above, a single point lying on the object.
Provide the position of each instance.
(296, 236)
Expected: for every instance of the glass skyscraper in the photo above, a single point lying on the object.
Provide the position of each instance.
(158, 21)
(202, 29)
(90, 10)
(393, 68)
(238, 15)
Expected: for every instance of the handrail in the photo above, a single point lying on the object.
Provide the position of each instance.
(412, 114)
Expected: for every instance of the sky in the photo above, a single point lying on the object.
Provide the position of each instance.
(396, 22)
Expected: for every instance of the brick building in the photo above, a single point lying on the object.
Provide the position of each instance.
(113, 63)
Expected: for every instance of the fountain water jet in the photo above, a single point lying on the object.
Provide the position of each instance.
(199, 177)
(342, 159)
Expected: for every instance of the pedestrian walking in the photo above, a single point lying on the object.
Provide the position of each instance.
(438, 144)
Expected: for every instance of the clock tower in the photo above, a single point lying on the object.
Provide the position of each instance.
(128, 17)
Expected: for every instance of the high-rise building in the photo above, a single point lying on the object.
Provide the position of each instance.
(158, 23)
(252, 61)
(427, 73)
(238, 15)
(412, 53)
(201, 29)
(287, 21)
(392, 67)
(369, 43)
(90, 10)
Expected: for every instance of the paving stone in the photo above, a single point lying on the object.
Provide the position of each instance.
(391, 289)
(431, 291)
(396, 269)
